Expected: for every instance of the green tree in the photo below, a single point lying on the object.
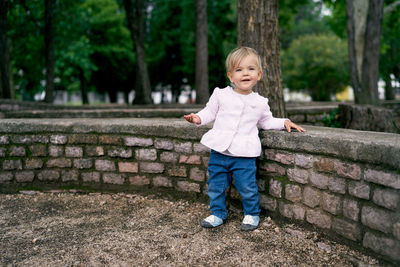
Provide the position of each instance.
(27, 47)
(111, 44)
(202, 90)
(171, 42)
(5, 91)
(136, 18)
(74, 65)
(389, 63)
(317, 64)
(49, 10)
(389, 49)
(222, 38)
(300, 17)
(364, 19)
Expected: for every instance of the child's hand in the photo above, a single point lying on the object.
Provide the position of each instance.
(289, 125)
(193, 118)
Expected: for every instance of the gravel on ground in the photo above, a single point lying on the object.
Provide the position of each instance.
(104, 229)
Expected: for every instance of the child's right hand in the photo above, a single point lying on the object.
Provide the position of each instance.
(193, 118)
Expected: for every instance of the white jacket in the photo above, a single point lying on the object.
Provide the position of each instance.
(236, 117)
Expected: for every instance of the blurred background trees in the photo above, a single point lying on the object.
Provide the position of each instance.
(92, 46)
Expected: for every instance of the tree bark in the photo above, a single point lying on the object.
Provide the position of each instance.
(49, 49)
(82, 79)
(5, 89)
(258, 28)
(389, 91)
(135, 13)
(201, 82)
(364, 20)
(391, 7)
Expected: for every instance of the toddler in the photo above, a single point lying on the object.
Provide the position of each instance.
(234, 140)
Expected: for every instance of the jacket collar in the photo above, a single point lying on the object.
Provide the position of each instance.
(249, 100)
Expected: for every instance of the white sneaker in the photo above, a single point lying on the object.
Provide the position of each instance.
(212, 221)
(250, 223)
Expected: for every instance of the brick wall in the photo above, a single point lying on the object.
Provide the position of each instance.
(345, 183)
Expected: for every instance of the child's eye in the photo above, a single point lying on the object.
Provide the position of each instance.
(238, 69)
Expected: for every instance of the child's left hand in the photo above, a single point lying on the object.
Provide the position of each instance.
(289, 125)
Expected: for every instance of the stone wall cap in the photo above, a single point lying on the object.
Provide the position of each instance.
(371, 147)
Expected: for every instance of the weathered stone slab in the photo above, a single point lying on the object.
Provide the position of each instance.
(293, 193)
(319, 218)
(104, 165)
(151, 167)
(311, 197)
(113, 178)
(268, 203)
(351, 209)
(90, 177)
(170, 157)
(139, 180)
(359, 189)
(347, 229)
(387, 198)
(298, 175)
(275, 188)
(382, 245)
(137, 141)
(384, 178)
(377, 219)
(131, 167)
(24, 176)
(162, 181)
(83, 163)
(188, 187)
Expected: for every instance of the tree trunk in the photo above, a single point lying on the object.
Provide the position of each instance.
(49, 49)
(364, 19)
(389, 91)
(135, 13)
(258, 28)
(201, 83)
(5, 91)
(83, 86)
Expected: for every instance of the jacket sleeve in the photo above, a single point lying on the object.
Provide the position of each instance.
(209, 113)
(268, 122)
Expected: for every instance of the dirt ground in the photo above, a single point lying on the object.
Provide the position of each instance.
(69, 229)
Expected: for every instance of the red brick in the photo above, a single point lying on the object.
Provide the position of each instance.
(128, 167)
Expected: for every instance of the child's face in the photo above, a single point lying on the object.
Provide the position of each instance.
(246, 75)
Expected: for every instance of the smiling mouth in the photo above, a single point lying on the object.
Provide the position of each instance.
(246, 80)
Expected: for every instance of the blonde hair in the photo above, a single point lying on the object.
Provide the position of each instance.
(238, 54)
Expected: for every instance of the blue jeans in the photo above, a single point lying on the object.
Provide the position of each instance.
(220, 169)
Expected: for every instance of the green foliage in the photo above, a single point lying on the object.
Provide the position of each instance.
(26, 47)
(297, 18)
(316, 63)
(112, 47)
(332, 119)
(171, 41)
(90, 38)
(389, 62)
(222, 38)
(92, 41)
(338, 19)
